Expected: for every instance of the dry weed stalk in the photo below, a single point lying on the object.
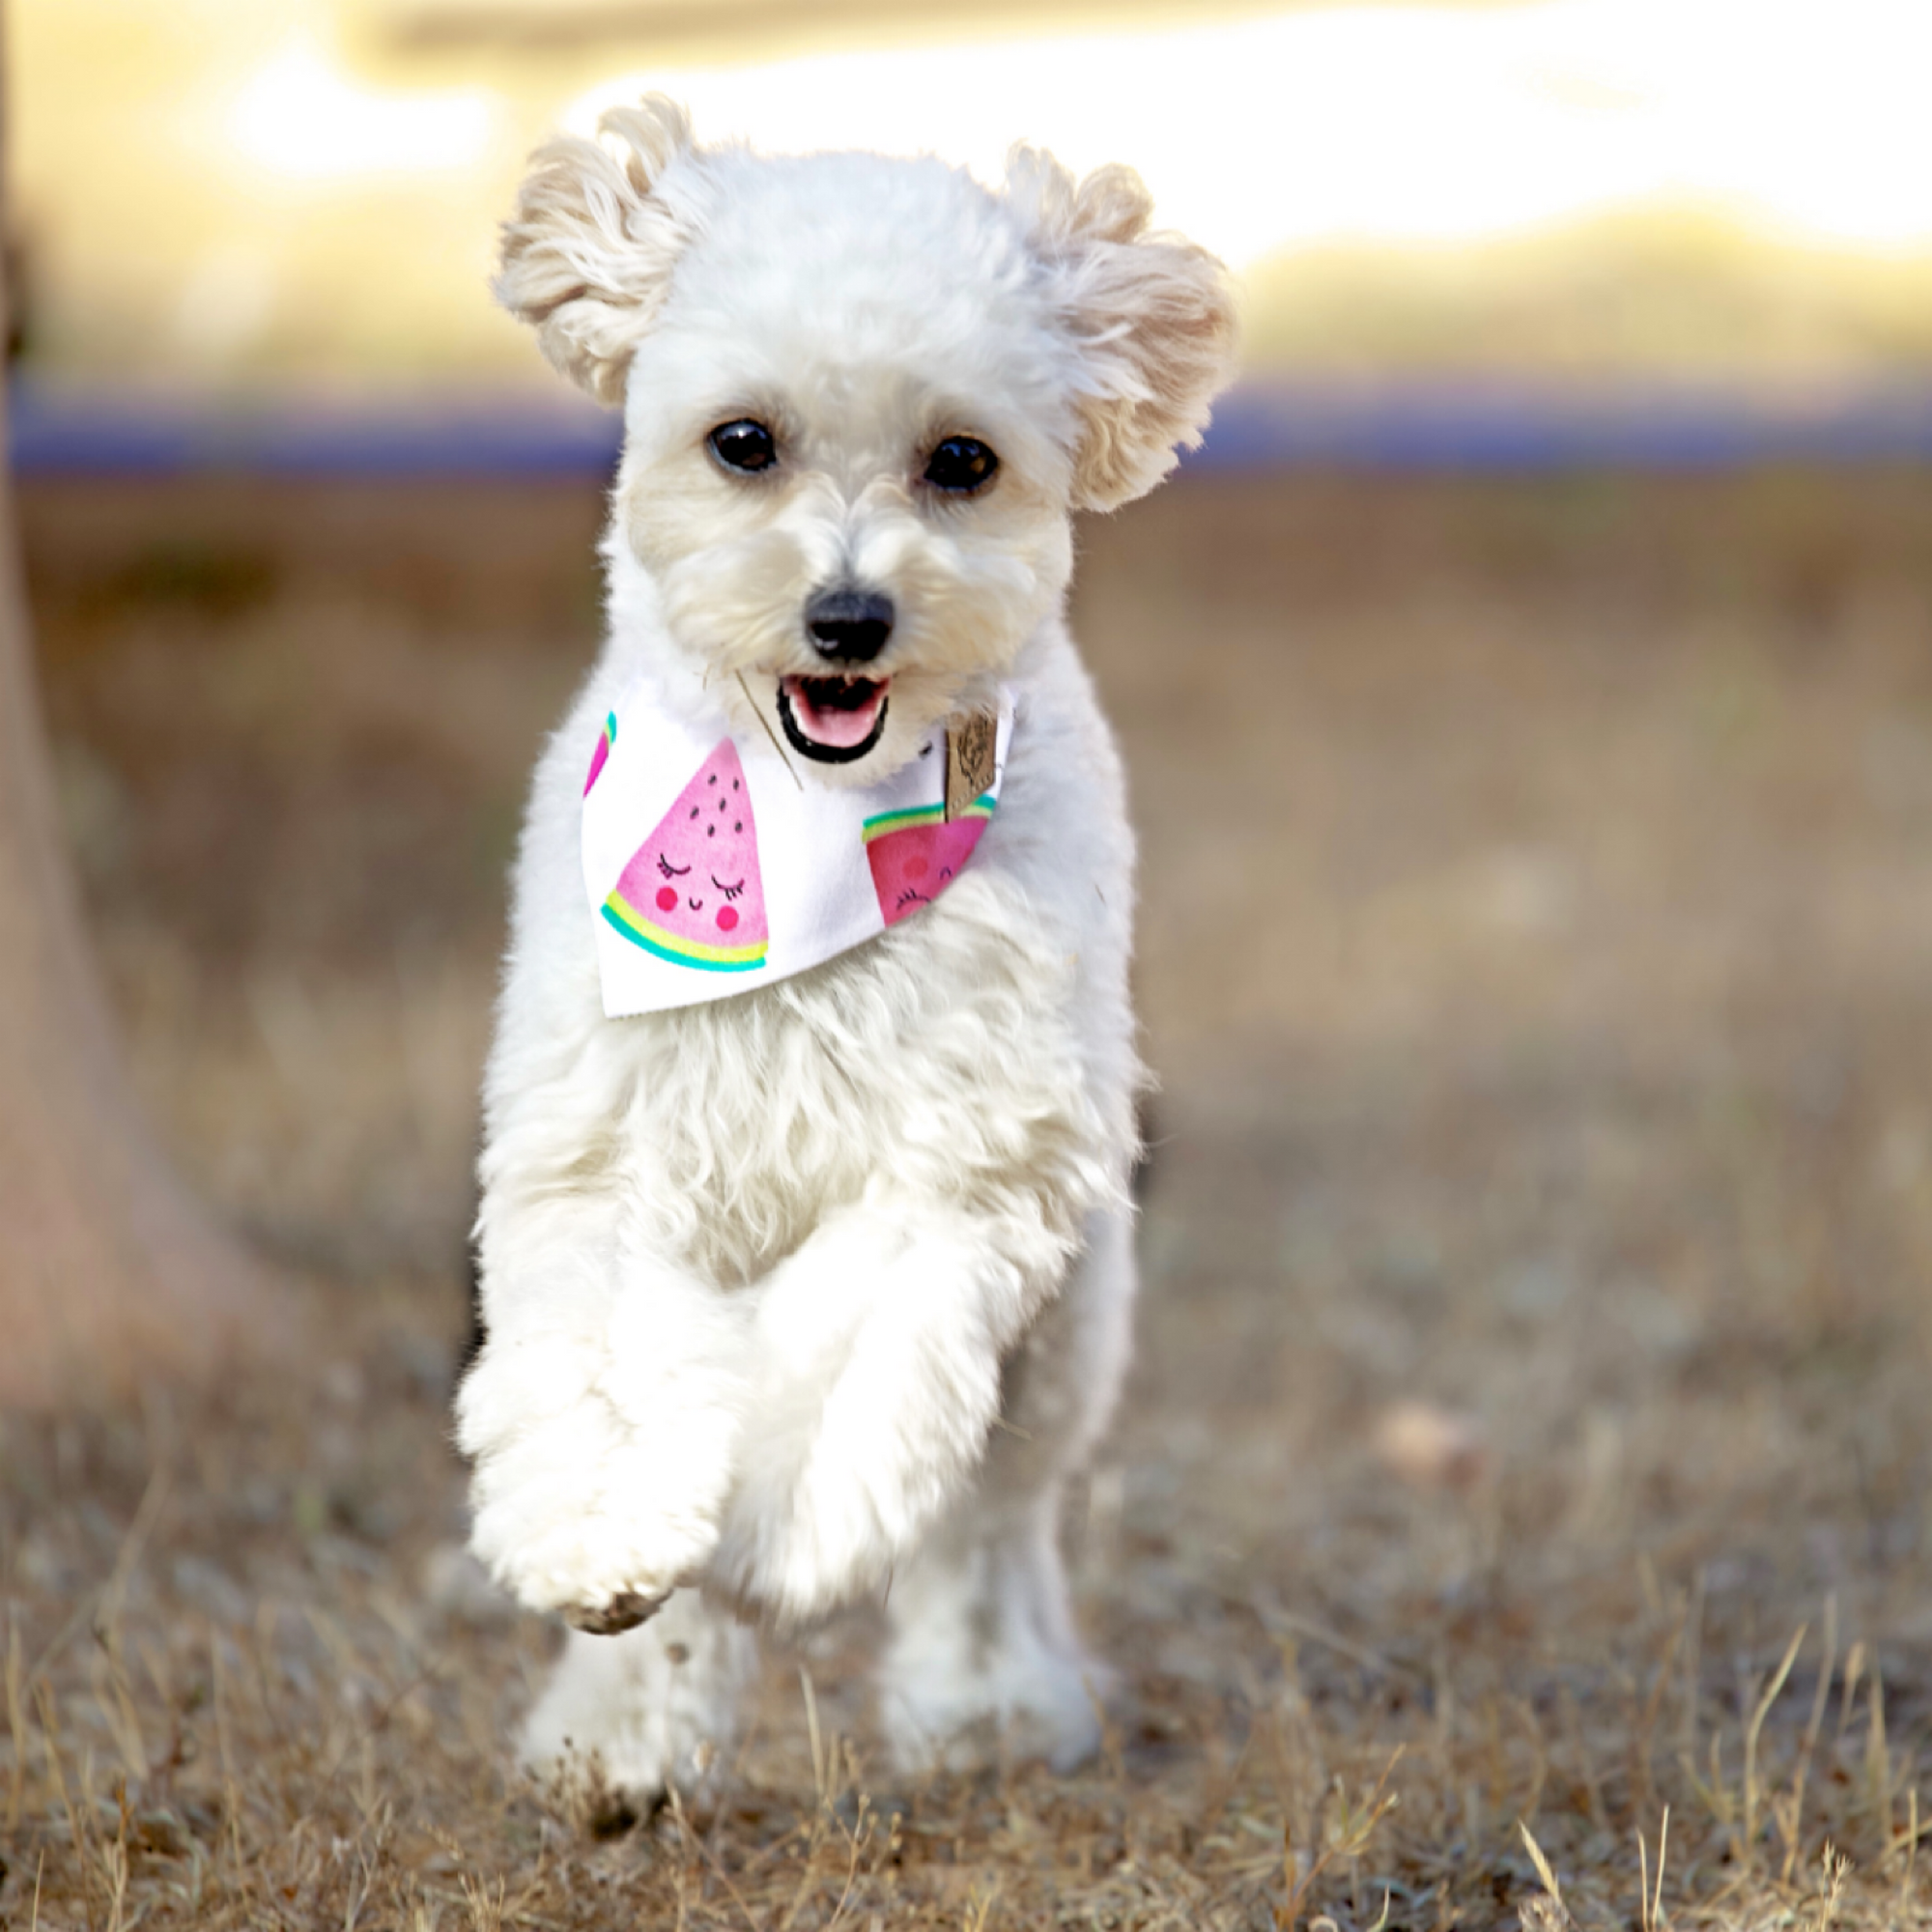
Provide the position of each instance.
(1788, 1812)
(1649, 1899)
(1879, 1786)
(486, 1903)
(1834, 1866)
(1546, 1912)
(1752, 1796)
(16, 1728)
(1345, 1833)
(979, 1910)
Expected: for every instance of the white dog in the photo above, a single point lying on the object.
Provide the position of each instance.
(814, 1280)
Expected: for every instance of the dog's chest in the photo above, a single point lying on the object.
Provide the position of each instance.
(754, 1118)
(741, 1142)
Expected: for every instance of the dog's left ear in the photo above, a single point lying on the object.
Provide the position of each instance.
(1150, 316)
(587, 256)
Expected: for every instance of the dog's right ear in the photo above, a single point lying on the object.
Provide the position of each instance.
(1149, 316)
(587, 256)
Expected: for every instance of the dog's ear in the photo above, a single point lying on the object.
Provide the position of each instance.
(587, 256)
(1150, 316)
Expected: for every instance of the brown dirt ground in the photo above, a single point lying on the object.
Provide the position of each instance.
(1529, 1421)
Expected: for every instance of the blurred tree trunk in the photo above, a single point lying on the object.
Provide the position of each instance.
(110, 1272)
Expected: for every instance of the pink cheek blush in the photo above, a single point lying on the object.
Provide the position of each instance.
(661, 902)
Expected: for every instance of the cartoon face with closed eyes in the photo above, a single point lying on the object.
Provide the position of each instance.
(692, 893)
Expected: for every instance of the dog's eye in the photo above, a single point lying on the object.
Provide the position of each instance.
(743, 444)
(960, 464)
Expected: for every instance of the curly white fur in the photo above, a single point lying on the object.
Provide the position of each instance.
(759, 1277)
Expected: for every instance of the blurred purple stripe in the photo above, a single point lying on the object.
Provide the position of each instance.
(1402, 427)
(1499, 428)
(61, 432)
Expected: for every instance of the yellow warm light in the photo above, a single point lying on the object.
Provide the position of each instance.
(270, 186)
(299, 115)
(1409, 125)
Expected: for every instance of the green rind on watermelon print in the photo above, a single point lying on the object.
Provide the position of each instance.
(897, 821)
(639, 932)
(914, 855)
(691, 893)
(887, 822)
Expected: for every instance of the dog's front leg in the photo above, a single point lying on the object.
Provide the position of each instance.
(874, 1378)
(602, 1414)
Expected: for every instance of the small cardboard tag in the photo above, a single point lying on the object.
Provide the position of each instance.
(969, 760)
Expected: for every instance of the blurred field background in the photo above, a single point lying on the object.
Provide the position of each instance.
(1537, 960)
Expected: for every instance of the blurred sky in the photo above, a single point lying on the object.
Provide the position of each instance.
(223, 191)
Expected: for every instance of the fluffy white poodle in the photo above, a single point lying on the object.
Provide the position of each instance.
(807, 1276)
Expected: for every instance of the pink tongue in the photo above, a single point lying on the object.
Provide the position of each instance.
(838, 728)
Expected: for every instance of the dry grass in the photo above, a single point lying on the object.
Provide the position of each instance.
(1522, 1512)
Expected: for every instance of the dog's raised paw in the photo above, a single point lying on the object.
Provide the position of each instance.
(624, 1612)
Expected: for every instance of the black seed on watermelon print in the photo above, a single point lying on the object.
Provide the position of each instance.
(713, 779)
(737, 826)
(694, 812)
(711, 831)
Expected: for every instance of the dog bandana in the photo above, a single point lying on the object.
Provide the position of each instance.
(714, 864)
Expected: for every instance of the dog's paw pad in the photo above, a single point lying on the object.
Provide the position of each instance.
(626, 1610)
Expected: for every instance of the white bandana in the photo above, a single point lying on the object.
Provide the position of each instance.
(714, 864)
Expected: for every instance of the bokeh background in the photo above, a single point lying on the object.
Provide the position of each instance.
(1528, 693)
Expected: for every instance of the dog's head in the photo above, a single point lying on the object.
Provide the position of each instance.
(860, 397)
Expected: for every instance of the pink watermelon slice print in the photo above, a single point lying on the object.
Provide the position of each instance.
(601, 757)
(917, 853)
(692, 892)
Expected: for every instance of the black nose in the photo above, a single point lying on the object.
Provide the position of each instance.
(849, 626)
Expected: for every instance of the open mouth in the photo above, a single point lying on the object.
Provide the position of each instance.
(833, 720)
